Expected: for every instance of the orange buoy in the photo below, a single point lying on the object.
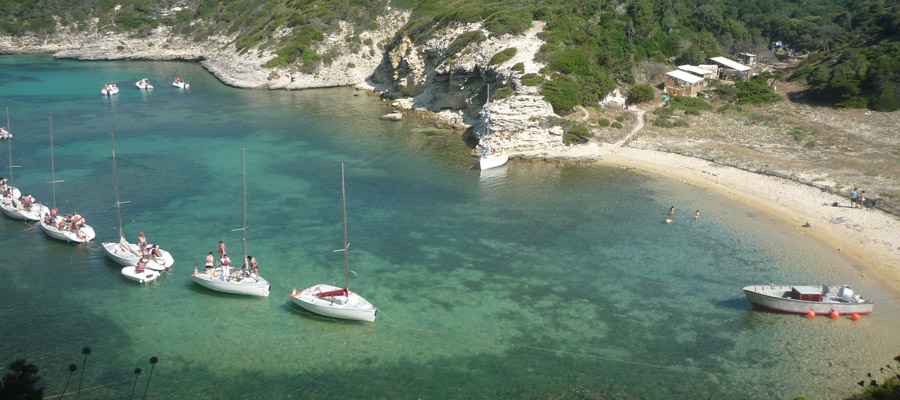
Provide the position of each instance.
(855, 317)
(835, 314)
(811, 314)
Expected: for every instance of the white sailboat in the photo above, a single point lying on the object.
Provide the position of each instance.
(12, 205)
(129, 254)
(225, 279)
(55, 225)
(490, 157)
(332, 301)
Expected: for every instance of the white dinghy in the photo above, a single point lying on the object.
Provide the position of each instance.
(235, 281)
(109, 89)
(144, 84)
(15, 206)
(142, 277)
(181, 84)
(129, 254)
(67, 229)
(333, 301)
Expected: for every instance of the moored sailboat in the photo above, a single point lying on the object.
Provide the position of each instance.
(67, 229)
(235, 281)
(12, 203)
(333, 301)
(130, 254)
(490, 157)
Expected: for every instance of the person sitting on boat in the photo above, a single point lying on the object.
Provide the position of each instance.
(51, 218)
(141, 265)
(154, 251)
(254, 266)
(142, 241)
(26, 202)
(210, 265)
(3, 182)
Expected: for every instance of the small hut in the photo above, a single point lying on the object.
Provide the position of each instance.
(729, 69)
(748, 59)
(680, 83)
(701, 72)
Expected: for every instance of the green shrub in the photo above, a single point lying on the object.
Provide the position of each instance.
(577, 134)
(519, 67)
(532, 79)
(464, 40)
(685, 102)
(640, 94)
(755, 91)
(663, 122)
(664, 111)
(502, 93)
(681, 123)
(620, 118)
(603, 122)
(616, 125)
(691, 111)
(561, 93)
(730, 109)
(503, 56)
(811, 144)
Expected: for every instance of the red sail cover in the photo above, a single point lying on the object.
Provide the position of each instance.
(339, 292)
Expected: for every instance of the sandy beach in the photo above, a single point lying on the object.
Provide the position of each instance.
(870, 236)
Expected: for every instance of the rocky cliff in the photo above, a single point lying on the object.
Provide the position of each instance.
(422, 77)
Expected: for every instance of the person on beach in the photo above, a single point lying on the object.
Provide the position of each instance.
(668, 220)
(672, 210)
(862, 199)
(209, 264)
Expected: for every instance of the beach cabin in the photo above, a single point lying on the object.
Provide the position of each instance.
(703, 73)
(680, 83)
(728, 69)
(748, 59)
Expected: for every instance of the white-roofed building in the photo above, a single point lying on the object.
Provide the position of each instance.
(701, 72)
(729, 69)
(680, 83)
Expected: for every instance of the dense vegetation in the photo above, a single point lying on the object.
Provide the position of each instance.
(591, 45)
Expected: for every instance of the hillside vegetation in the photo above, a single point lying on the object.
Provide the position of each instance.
(591, 45)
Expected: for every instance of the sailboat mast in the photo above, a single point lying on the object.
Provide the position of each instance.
(244, 201)
(112, 136)
(10, 147)
(344, 217)
(52, 167)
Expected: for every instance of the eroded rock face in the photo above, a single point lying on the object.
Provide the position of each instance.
(454, 85)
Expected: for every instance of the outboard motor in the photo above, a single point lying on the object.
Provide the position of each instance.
(846, 293)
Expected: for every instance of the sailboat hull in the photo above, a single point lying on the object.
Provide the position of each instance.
(17, 212)
(128, 255)
(352, 307)
(243, 286)
(492, 160)
(87, 233)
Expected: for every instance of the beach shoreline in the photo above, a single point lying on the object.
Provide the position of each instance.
(871, 237)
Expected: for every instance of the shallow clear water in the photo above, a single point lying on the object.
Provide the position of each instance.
(533, 280)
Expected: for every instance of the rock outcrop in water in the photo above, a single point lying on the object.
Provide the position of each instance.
(423, 77)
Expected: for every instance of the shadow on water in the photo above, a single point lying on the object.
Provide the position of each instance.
(736, 303)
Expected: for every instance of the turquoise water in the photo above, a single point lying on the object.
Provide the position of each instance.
(532, 281)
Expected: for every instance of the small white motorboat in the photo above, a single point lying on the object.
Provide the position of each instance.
(822, 299)
(332, 301)
(109, 89)
(144, 84)
(181, 84)
(141, 277)
(4, 134)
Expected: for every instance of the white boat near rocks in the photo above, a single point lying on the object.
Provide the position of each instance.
(230, 280)
(130, 254)
(489, 157)
(15, 206)
(822, 299)
(333, 301)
